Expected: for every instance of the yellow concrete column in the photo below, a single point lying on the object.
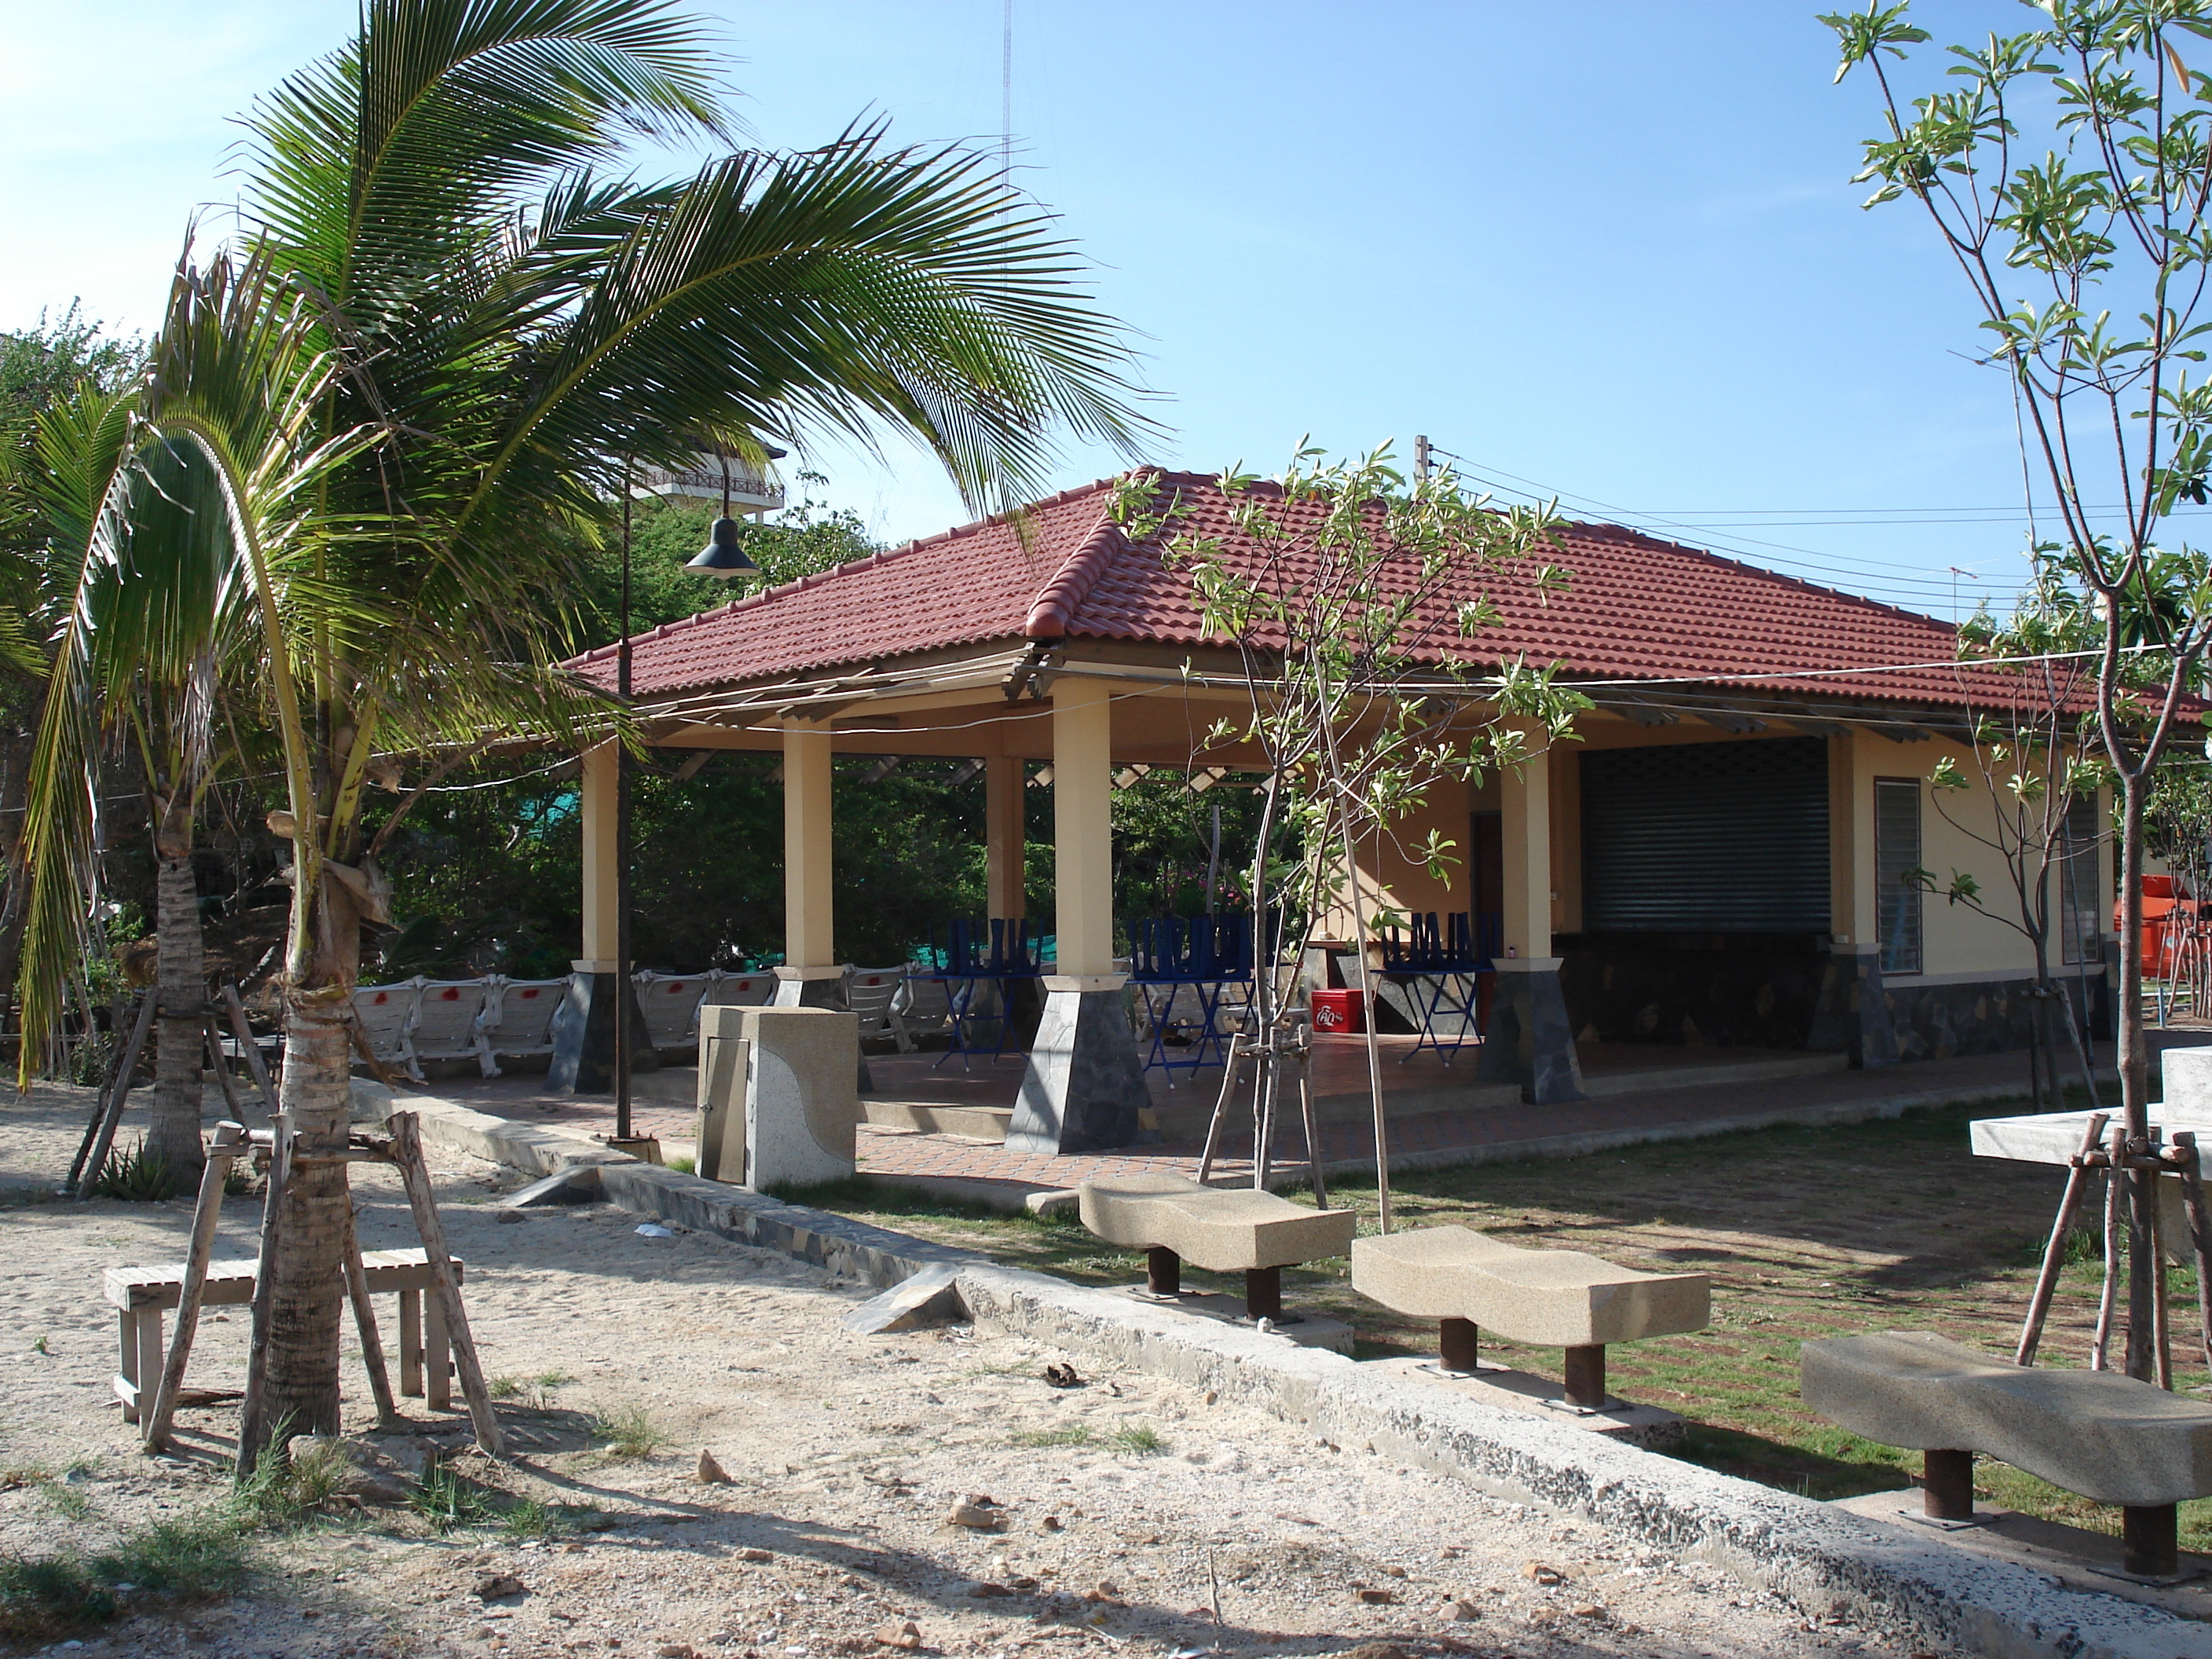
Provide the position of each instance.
(1845, 879)
(807, 918)
(1083, 835)
(1864, 925)
(1526, 800)
(1005, 855)
(601, 917)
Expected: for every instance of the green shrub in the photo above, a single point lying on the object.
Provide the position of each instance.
(140, 1175)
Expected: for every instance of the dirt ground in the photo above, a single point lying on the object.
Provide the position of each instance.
(1121, 1514)
(1887, 1226)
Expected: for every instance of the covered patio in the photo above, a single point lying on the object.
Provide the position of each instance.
(1701, 888)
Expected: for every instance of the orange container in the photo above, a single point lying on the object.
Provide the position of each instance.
(1339, 1013)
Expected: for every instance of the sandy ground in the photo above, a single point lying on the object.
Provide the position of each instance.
(845, 1455)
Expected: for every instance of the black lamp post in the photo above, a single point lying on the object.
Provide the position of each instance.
(724, 557)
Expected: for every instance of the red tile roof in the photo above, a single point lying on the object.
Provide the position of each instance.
(1636, 608)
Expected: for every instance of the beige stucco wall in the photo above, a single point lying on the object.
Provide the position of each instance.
(1956, 942)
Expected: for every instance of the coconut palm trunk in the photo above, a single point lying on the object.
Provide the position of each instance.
(181, 989)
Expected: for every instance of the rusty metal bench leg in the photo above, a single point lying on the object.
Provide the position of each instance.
(1459, 1345)
(1585, 1376)
(411, 1343)
(1947, 1485)
(1162, 1271)
(1263, 1293)
(2150, 1541)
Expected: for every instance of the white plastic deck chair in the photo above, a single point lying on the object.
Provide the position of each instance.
(518, 1015)
(670, 1002)
(449, 1025)
(387, 1013)
(747, 988)
(870, 993)
(924, 1007)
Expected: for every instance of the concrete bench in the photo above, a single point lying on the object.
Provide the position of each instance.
(141, 1296)
(1466, 1280)
(1220, 1229)
(2107, 1437)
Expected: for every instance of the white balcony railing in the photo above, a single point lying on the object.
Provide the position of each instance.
(752, 489)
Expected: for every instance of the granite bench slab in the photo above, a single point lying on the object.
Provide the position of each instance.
(1549, 1299)
(1220, 1229)
(2106, 1435)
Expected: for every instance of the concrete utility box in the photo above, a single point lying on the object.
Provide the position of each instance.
(722, 1099)
(801, 1102)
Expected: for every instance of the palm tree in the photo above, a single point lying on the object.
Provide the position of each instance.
(449, 334)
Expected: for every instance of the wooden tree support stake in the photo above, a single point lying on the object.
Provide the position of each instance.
(251, 1430)
(2054, 1254)
(364, 1319)
(2200, 1229)
(2100, 1344)
(1230, 1073)
(407, 1153)
(249, 1047)
(229, 1143)
(100, 1134)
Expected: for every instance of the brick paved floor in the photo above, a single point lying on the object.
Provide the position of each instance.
(1433, 1136)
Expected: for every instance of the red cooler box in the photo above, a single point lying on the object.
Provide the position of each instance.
(1339, 1013)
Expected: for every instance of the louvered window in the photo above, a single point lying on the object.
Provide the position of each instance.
(1706, 837)
(1896, 872)
(2080, 905)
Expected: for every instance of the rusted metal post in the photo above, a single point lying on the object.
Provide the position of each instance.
(1585, 1376)
(1162, 1271)
(2054, 1253)
(1947, 1485)
(1263, 1293)
(1459, 1345)
(2150, 1541)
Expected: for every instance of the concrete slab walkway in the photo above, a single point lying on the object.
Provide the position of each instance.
(1687, 1099)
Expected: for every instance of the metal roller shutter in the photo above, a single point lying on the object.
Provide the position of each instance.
(1706, 837)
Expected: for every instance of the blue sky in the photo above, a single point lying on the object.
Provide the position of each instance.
(1606, 249)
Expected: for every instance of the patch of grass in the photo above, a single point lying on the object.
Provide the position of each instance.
(684, 1165)
(70, 1503)
(40, 1348)
(528, 1518)
(447, 1498)
(1075, 1434)
(628, 1432)
(139, 1174)
(194, 1558)
(1138, 1440)
(504, 1388)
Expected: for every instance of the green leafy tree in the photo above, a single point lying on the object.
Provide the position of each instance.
(444, 338)
(2066, 172)
(1357, 616)
(2034, 757)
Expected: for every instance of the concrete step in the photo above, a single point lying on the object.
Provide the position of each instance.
(938, 1118)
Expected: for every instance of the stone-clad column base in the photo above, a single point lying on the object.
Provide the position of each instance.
(809, 987)
(1852, 1015)
(1528, 1040)
(584, 1033)
(1085, 1084)
(800, 1107)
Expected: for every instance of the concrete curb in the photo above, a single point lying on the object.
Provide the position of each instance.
(1823, 1560)
(876, 1255)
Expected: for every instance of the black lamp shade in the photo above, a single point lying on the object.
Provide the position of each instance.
(722, 556)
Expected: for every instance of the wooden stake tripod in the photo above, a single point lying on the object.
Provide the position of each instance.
(107, 1109)
(1289, 1052)
(404, 1151)
(2125, 1160)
